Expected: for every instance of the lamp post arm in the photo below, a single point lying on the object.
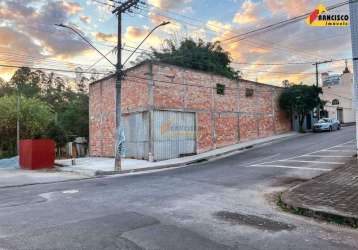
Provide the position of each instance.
(135, 50)
(86, 40)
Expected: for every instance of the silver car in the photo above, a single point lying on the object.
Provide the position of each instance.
(327, 124)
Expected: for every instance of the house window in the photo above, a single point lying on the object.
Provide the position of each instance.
(335, 102)
(249, 92)
(220, 89)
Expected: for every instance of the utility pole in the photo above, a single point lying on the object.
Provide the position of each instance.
(353, 7)
(317, 81)
(18, 100)
(122, 8)
(317, 71)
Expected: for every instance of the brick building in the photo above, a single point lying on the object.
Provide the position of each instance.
(169, 111)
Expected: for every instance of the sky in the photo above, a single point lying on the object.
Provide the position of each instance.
(29, 37)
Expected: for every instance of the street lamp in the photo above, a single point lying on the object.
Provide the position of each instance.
(135, 50)
(119, 68)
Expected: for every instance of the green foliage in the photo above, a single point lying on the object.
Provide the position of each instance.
(56, 133)
(26, 81)
(300, 100)
(50, 108)
(35, 115)
(209, 57)
(74, 118)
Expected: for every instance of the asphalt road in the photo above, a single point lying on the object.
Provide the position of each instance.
(227, 203)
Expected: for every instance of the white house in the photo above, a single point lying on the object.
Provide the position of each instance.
(338, 92)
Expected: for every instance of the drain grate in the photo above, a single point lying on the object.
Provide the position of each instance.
(253, 221)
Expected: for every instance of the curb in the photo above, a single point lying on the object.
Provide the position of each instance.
(317, 214)
(285, 202)
(196, 161)
(99, 174)
(49, 182)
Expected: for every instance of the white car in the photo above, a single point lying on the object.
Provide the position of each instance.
(327, 124)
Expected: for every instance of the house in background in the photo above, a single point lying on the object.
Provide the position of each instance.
(338, 92)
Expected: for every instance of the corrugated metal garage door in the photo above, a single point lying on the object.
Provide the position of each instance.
(174, 134)
(136, 131)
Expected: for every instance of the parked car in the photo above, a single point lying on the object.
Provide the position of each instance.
(327, 124)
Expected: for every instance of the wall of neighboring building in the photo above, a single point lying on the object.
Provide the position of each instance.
(220, 119)
(343, 93)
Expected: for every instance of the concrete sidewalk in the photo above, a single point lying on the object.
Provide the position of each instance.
(104, 166)
(332, 196)
(20, 177)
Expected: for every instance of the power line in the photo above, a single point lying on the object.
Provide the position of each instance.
(280, 24)
(103, 3)
(205, 25)
(53, 69)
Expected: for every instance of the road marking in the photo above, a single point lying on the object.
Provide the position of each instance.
(338, 150)
(318, 162)
(265, 158)
(348, 142)
(312, 154)
(343, 146)
(328, 156)
(70, 191)
(291, 167)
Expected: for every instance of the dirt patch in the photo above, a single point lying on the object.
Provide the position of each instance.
(253, 221)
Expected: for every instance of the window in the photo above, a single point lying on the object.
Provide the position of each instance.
(335, 102)
(249, 92)
(220, 89)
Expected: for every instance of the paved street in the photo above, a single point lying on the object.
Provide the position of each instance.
(223, 204)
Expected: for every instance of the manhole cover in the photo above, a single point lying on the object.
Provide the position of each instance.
(253, 221)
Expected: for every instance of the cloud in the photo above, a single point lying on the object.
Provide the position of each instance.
(217, 26)
(38, 25)
(85, 19)
(290, 7)
(103, 37)
(249, 13)
(168, 4)
(71, 8)
(11, 41)
(157, 19)
(136, 34)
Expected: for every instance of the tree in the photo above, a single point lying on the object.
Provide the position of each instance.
(27, 82)
(287, 84)
(209, 57)
(5, 88)
(300, 100)
(35, 116)
(75, 119)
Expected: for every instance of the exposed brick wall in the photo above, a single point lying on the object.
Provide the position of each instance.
(204, 136)
(221, 119)
(226, 129)
(102, 117)
(102, 108)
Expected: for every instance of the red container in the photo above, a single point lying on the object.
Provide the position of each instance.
(37, 154)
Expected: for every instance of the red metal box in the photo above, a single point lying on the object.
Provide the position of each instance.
(37, 154)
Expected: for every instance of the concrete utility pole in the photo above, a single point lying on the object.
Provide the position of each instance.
(122, 8)
(317, 81)
(353, 7)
